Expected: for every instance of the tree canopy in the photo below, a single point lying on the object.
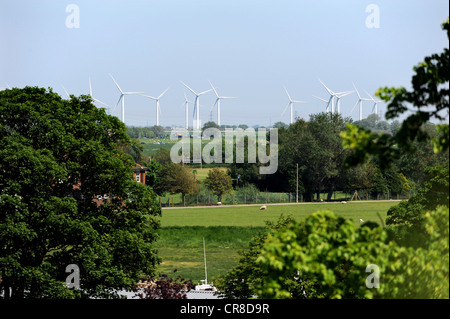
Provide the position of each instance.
(56, 157)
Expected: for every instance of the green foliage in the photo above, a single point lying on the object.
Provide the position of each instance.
(242, 281)
(331, 254)
(56, 156)
(210, 124)
(405, 221)
(218, 182)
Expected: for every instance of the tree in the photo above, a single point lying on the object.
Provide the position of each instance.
(334, 254)
(56, 156)
(244, 279)
(210, 124)
(405, 221)
(317, 149)
(218, 182)
(429, 95)
(179, 179)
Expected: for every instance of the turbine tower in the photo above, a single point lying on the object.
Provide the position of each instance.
(360, 100)
(197, 104)
(290, 104)
(158, 109)
(93, 98)
(186, 103)
(122, 97)
(375, 103)
(218, 102)
(338, 99)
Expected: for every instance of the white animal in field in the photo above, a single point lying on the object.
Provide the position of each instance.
(263, 207)
(219, 203)
(344, 202)
(361, 221)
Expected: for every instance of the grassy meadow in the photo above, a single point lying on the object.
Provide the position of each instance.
(228, 229)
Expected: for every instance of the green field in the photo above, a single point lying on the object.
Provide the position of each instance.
(228, 229)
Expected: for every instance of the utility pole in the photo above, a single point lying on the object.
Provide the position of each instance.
(296, 195)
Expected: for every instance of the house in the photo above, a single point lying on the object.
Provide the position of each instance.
(139, 173)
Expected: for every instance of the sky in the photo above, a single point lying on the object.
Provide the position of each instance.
(248, 49)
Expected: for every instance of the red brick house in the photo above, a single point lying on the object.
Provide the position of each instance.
(139, 173)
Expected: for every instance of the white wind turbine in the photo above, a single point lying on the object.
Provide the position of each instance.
(218, 102)
(186, 103)
(360, 100)
(290, 104)
(197, 104)
(122, 97)
(95, 100)
(375, 103)
(333, 95)
(158, 109)
(338, 99)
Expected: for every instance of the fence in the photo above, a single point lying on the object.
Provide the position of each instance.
(237, 198)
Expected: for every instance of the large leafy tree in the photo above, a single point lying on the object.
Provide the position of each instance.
(56, 157)
(218, 182)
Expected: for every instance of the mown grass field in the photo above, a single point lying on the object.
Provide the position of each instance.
(228, 229)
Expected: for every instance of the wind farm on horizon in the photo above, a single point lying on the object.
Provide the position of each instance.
(333, 103)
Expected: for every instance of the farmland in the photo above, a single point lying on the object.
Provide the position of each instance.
(228, 229)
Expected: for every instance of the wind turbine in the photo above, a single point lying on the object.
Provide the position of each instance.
(122, 97)
(338, 95)
(90, 94)
(186, 102)
(360, 100)
(338, 99)
(158, 109)
(196, 104)
(291, 102)
(375, 103)
(218, 102)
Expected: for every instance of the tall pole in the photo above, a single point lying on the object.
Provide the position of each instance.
(123, 109)
(187, 115)
(296, 195)
(218, 112)
(204, 255)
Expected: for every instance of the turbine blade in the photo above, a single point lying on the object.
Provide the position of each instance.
(288, 94)
(150, 97)
(326, 101)
(359, 96)
(116, 84)
(205, 92)
(66, 92)
(189, 88)
(162, 93)
(90, 87)
(285, 109)
(328, 90)
(214, 89)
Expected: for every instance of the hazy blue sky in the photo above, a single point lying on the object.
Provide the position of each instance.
(248, 49)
